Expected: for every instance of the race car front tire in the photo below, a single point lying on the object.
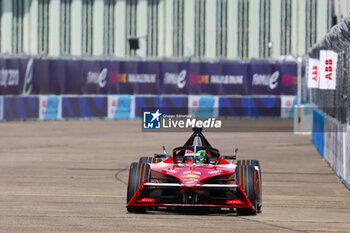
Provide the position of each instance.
(248, 162)
(149, 160)
(247, 177)
(137, 174)
(254, 163)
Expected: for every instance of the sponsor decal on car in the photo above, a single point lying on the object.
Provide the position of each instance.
(214, 172)
(191, 176)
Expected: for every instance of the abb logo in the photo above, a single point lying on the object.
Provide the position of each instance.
(328, 69)
(314, 73)
(114, 103)
(289, 103)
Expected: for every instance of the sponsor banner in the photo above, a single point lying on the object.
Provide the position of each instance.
(95, 77)
(288, 77)
(131, 77)
(203, 106)
(145, 104)
(313, 73)
(57, 77)
(24, 76)
(12, 75)
(233, 79)
(84, 107)
(117, 77)
(174, 78)
(174, 105)
(29, 78)
(146, 81)
(328, 68)
(50, 107)
(21, 108)
(196, 80)
(40, 81)
(264, 78)
(121, 106)
(74, 78)
(224, 78)
(288, 103)
(1, 108)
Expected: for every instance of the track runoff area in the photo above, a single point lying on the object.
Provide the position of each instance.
(71, 176)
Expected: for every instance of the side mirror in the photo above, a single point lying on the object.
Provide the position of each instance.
(164, 155)
(232, 157)
(161, 156)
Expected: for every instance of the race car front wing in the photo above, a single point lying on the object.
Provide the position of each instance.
(138, 200)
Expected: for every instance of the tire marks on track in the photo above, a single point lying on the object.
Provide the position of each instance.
(118, 173)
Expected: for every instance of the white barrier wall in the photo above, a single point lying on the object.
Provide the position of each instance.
(335, 149)
(347, 158)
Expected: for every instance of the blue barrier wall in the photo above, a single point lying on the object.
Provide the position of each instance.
(84, 107)
(21, 108)
(50, 107)
(318, 131)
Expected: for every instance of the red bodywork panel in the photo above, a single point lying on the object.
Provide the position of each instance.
(189, 174)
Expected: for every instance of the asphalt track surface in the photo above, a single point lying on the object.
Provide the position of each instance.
(70, 176)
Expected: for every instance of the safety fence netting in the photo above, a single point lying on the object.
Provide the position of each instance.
(325, 84)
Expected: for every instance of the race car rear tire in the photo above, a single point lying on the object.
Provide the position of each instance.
(149, 160)
(247, 177)
(137, 174)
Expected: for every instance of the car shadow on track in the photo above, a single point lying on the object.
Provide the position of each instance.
(192, 211)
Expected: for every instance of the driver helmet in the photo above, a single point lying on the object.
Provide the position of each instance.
(202, 155)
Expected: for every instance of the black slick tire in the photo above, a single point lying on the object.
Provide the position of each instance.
(137, 174)
(248, 178)
(149, 160)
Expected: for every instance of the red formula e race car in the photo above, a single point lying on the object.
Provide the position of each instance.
(195, 175)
